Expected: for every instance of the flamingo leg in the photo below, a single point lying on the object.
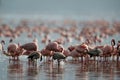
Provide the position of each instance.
(117, 57)
(58, 62)
(81, 58)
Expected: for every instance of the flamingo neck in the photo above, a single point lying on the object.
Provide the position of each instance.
(118, 47)
(2, 46)
(112, 44)
(112, 48)
(5, 53)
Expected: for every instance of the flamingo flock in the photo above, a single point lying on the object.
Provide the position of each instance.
(88, 37)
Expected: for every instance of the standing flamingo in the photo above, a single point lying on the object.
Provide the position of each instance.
(13, 50)
(78, 51)
(118, 50)
(29, 47)
(96, 52)
(35, 55)
(58, 56)
(47, 53)
(108, 50)
(52, 46)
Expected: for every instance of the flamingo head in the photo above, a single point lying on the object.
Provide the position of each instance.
(11, 40)
(2, 42)
(113, 42)
(35, 40)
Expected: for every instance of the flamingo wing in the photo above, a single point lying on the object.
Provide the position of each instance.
(94, 52)
(34, 55)
(29, 46)
(58, 55)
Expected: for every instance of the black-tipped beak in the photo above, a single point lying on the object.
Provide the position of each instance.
(3, 42)
(41, 58)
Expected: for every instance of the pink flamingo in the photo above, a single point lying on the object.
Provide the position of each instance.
(52, 46)
(29, 47)
(13, 50)
(78, 51)
(118, 50)
(107, 49)
(47, 53)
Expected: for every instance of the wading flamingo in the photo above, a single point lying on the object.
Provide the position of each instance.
(13, 50)
(35, 55)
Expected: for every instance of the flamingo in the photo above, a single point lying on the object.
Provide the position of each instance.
(108, 50)
(118, 50)
(81, 49)
(78, 51)
(95, 52)
(58, 51)
(35, 55)
(74, 54)
(13, 50)
(47, 53)
(29, 47)
(58, 56)
(52, 46)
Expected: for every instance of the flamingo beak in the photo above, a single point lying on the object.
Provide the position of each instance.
(3, 42)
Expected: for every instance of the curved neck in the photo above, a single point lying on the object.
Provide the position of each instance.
(2, 44)
(5, 53)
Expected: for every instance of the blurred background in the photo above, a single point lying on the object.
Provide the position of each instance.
(59, 9)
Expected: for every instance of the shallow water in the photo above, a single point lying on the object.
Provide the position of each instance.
(70, 70)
